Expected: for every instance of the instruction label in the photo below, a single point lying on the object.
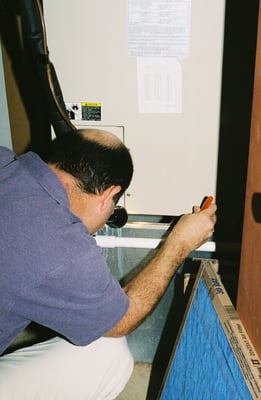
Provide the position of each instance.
(84, 111)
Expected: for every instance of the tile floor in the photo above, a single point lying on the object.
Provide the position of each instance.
(136, 388)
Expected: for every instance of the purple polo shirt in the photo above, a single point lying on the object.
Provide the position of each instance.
(51, 270)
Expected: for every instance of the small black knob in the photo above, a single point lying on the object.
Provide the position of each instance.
(119, 218)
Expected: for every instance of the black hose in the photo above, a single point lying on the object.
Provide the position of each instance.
(34, 28)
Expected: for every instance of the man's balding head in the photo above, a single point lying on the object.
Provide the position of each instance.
(96, 158)
(105, 138)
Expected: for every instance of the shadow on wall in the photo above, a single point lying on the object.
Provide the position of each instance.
(235, 117)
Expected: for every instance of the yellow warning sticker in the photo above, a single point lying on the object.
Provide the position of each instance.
(87, 104)
(84, 111)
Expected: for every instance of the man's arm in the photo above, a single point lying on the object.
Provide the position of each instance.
(147, 288)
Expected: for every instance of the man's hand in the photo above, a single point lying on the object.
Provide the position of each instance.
(147, 288)
(192, 230)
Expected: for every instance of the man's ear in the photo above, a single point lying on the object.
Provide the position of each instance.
(108, 195)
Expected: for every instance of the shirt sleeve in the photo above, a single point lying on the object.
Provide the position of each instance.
(77, 296)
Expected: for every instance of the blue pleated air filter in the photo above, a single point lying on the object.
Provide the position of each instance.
(213, 357)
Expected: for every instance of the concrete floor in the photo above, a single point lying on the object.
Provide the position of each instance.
(136, 388)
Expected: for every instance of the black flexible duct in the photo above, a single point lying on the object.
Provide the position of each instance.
(34, 27)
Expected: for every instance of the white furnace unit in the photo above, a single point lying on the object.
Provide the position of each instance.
(149, 71)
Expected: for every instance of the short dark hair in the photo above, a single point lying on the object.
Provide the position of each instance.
(95, 165)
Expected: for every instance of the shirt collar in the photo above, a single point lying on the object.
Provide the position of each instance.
(40, 171)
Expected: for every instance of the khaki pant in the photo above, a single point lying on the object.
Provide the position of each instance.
(57, 370)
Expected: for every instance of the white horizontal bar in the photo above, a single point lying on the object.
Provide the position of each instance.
(144, 243)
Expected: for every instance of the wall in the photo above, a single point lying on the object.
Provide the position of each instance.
(5, 138)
